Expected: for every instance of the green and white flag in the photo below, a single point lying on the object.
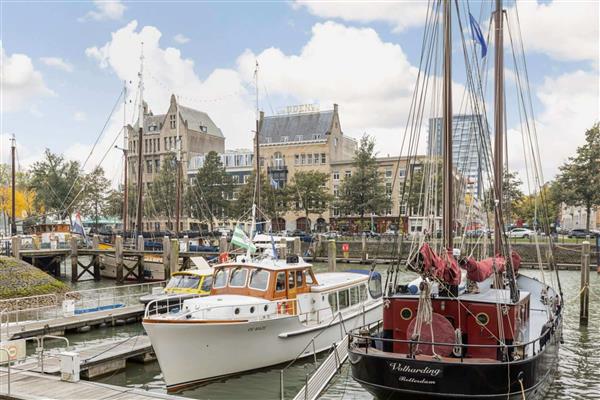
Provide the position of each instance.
(241, 240)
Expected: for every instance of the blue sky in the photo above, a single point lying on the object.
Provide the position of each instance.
(65, 63)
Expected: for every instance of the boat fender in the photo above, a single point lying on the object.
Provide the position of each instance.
(223, 257)
(281, 308)
(457, 350)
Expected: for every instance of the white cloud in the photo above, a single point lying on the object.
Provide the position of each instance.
(80, 116)
(563, 29)
(58, 63)
(105, 10)
(21, 82)
(181, 39)
(401, 15)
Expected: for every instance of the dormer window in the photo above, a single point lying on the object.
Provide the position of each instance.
(316, 137)
(299, 138)
(203, 129)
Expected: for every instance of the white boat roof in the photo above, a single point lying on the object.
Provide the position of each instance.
(197, 271)
(261, 237)
(331, 280)
(225, 300)
(267, 263)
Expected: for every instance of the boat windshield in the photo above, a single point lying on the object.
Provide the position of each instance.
(207, 283)
(183, 282)
(259, 279)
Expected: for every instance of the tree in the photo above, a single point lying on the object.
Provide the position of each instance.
(161, 194)
(364, 192)
(415, 190)
(512, 196)
(94, 197)
(273, 201)
(309, 191)
(210, 189)
(579, 177)
(57, 184)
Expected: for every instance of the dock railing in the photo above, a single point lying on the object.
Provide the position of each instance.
(91, 300)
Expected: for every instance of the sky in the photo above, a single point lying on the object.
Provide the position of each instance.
(64, 65)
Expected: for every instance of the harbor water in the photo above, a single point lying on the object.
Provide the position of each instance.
(578, 376)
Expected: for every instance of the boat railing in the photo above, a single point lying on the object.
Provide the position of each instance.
(368, 341)
(166, 303)
(90, 300)
(28, 308)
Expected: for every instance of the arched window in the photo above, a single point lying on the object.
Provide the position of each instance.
(278, 160)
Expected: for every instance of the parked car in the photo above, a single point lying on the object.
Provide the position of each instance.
(582, 233)
(520, 233)
(330, 235)
(370, 234)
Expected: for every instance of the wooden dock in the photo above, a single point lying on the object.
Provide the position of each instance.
(34, 386)
(58, 326)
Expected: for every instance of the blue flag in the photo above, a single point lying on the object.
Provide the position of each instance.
(477, 35)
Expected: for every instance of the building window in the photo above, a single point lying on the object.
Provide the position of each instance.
(172, 121)
(303, 159)
(402, 173)
(203, 129)
(316, 158)
(278, 160)
(246, 179)
(335, 142)
(296, 159)
(388, 173)
(323, 158)
(235, 179)
(158, 144)
(157, 164)
(336, 191)
(403, 209)
(316, 137)
(309, 159)
(145, 145)
(284, 138)
(149, 166)
(388, 188)
(336, 175)
(348, 174)
(299, 138)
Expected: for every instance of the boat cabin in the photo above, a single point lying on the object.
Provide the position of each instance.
(266, 279)
(193, 281)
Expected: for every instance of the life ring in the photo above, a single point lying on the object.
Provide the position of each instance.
(281, 308)
(223, 257)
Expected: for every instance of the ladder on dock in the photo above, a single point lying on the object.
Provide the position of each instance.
(328, 368)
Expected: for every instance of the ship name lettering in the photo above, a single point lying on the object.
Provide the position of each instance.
(400, 367)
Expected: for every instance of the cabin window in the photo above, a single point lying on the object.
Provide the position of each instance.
(298, 278)
(343, 298)
(183, 282)
(280, 284)
(332, 297)
(375, 285)
(308, 277)
(354, 295)
(207, 283)
(259, 279)
(362, 289)
(291, 280)
(220, 278)
(238, 277)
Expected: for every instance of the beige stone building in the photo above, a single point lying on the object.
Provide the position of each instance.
(198, 135)
(300, 142)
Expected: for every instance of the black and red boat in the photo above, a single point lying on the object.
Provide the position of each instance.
(466, 328)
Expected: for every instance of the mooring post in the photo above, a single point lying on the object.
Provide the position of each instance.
(297, 247)
(584, 296)
(363, 249)
(96, 257)
(223, 244)
(74, 259)
(282, 248)
(331, 256)
(167, 256)
(119, 258)
(16, 246)
(174, 256)
(186, 243)
(140, 264)
(319, 250)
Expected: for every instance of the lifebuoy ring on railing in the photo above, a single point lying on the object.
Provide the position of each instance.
(281, 308)
(223, 257)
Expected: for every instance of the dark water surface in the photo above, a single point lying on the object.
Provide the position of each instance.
(578, 376)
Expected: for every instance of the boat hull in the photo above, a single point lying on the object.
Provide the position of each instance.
(153, 270)
(389, 376)
(194, 352)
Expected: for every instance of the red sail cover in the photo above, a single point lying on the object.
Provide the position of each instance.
(444, 268)
(479, 271)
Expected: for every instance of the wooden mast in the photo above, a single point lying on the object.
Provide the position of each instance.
(178, 176)
(448, 220)
(125, 163)
(140, 149)
(498, 124)
(13, 222)
(256, 142)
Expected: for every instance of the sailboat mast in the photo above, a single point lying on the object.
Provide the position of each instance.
(13, 222)
(140, 148)
(178, 179)
(125, 162)
(256, 143)
(498, 123)
(447, 128)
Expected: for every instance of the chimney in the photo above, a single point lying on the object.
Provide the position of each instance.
(335, 108)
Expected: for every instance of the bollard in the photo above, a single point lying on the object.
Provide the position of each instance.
(174, 256)
(584, 296)
(223, 244)
(186, 244)
(74, 259)
(331, 256)
(297, 247)
(167, 256)
(282, 248)
(363, 252)
(119, 258)
(96, 257)
(140, 247)
(16, 246)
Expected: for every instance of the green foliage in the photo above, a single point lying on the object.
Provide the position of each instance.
(579, 178)
(207, 195)
(416, 191)
(309, 191)
(273, 202)
(94, 198)
(19, 279)
(57, 184)
(161, 201)
(363, 192)
(512, 196)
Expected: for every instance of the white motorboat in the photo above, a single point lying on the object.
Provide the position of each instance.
(260, 313)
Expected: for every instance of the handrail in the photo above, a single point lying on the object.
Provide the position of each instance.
(8, 361)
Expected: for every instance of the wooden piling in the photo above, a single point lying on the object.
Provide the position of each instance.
(119, 258)
(16, 246)
(140, 264)
(186, 243)
(297, 247)
(167, 256)
(584, 295)
(223, 247)
(363, 249)
(174, 256)
(74, 264)
(331, 255)
(96, 257)
(282, 248)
